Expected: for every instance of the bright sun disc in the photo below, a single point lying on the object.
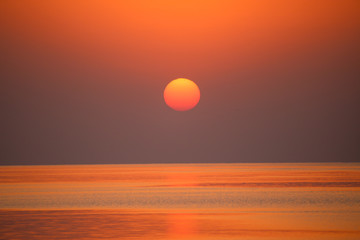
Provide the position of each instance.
(182, 94)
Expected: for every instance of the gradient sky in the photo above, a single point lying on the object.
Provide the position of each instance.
(82, 81)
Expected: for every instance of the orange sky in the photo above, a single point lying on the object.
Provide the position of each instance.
(180, 36)
(266, 69)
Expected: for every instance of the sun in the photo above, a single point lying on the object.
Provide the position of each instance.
(182, 94)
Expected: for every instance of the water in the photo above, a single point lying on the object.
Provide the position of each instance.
(181, 201)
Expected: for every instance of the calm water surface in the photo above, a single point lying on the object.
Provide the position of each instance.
(181, 201)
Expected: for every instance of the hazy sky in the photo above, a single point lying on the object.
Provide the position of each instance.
(83, 81)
